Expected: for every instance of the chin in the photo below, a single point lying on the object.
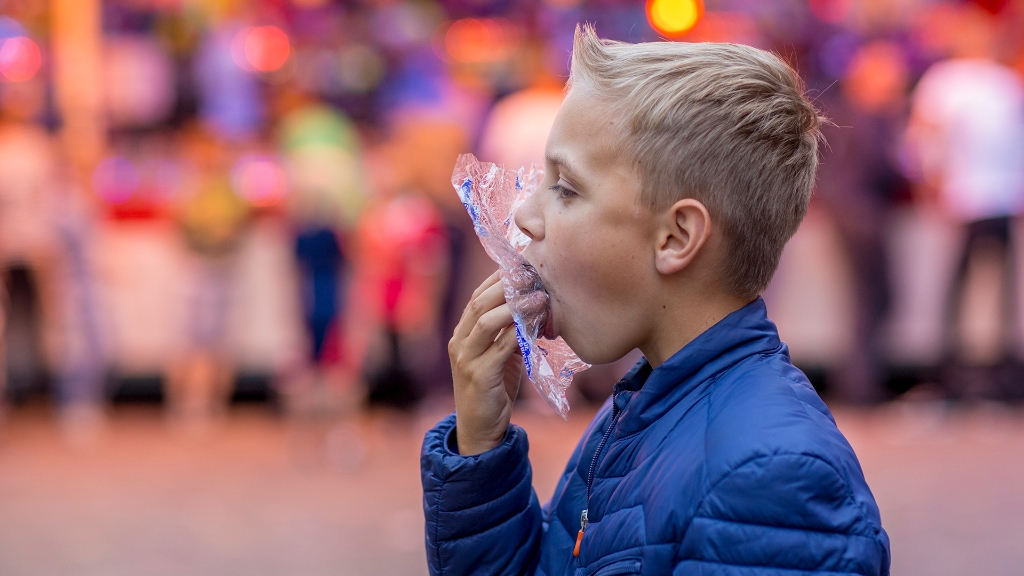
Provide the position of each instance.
(593, 354)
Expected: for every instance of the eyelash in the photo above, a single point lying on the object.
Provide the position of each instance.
(563, 192)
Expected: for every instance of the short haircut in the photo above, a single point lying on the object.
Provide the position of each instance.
(725, 124)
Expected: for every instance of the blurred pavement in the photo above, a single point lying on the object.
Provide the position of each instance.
(257, 495)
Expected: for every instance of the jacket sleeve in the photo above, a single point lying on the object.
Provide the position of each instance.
(482, 515)
(783, 514)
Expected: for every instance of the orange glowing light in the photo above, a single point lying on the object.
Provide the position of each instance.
(674, 18)
(20, 59)
(261, 48)
(478, 40)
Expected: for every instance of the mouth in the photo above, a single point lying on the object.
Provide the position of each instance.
(535, 300)
(547, 323)
(547, 329)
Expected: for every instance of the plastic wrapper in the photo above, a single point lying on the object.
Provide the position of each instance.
(492, 194)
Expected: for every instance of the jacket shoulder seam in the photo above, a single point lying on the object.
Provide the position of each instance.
(848, 492)
(774, 527)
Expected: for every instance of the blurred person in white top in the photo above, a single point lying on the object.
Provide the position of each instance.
(966, 143)
(27, 240)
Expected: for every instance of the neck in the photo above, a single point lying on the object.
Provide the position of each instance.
(677, 323)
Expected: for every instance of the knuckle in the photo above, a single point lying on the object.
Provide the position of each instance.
(485, 320)
(480, 290)
(489, 322)
(474, 333)
(476, 307)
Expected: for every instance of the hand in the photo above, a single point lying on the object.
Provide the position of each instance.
(486, 369)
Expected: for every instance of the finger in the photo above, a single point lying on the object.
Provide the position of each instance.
(503, 347)
(469, 316)
(533, 304)
(525, 279)
(491, 298)
(514, 366)
(486, 301)
(511, 328)
(486, 284)
(486, 330)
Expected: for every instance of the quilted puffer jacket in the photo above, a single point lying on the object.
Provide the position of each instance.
(722, 460)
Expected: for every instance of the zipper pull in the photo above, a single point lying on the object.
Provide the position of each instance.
(579, 537)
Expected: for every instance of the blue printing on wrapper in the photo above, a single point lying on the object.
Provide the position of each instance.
(524, 347)
(465, 194)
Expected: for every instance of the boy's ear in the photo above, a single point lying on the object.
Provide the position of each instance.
(685, 228)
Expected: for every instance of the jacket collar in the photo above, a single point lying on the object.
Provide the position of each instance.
(645, 395)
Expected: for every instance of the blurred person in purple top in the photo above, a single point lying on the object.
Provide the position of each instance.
(857, 180)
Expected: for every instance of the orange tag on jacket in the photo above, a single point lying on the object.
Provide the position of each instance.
(579, 538)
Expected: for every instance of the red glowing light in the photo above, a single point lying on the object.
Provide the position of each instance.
(674, 18)
(20, 59)
(261, 49)
(473, 40)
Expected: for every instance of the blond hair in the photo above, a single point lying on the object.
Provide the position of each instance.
(725, 124)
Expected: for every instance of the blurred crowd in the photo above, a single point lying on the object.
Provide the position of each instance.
(214, 193)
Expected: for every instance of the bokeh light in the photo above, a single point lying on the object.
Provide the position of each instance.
(20, 59)
(9, 28)
(563, 4)
(115, 179)
(831, 11)
(163, 180)
(360, 68)
(480, 40)
(674, 18)
(261, 48)
(259, 180)
(139, 81)
(877, 76)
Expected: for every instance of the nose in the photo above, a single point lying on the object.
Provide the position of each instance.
(529, 218)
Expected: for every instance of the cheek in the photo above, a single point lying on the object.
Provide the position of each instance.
(598, 303)
(594, 267)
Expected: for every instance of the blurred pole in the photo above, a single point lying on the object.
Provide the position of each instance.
(77, 48)
(78, 82)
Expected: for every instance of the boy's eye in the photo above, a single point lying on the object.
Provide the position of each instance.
(562, 192)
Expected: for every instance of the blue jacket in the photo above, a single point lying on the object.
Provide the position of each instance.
(723, 460)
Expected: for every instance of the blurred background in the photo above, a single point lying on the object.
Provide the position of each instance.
(232, 259)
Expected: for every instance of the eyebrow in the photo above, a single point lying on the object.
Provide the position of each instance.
(563, 162)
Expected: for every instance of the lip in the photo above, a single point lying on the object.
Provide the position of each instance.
(548, 330)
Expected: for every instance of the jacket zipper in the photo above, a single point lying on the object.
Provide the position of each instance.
(593, 469)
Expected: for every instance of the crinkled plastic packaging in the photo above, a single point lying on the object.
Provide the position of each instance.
(492, 194)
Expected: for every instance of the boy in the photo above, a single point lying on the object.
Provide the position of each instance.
(675, 174)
